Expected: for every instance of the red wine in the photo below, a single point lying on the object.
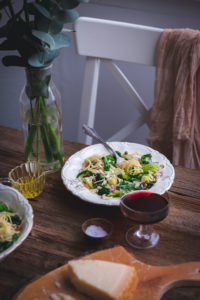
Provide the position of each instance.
(144, 207)
(145, 201)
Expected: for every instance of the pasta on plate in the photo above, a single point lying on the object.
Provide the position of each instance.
(9, 227)
(103, 176)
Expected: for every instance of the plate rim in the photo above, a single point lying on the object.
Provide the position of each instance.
(29, 217)
(114, 202)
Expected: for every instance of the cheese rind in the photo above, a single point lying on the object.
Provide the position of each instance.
(103, 280)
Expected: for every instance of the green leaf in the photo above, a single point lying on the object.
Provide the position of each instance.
(16, 219)
(42, 24)
(150, 167)
(50, 26)
(55, 27)
(15, 34)
(3, 207)
(42, 58)
(7, 45)
(36, 60)
(45, 37)
(14, 60)
(4, 30)
(53, 3)
(145, 158)
(69, 4)
(61, 40)
(127, 186)
(66, 16)
(34, 44)
(42, 10)
(4, 3)
(31, 8)
(104, 191)
(50, 55)
(87, 173)
(15, 237)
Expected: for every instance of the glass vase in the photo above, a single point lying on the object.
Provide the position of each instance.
(40, 107)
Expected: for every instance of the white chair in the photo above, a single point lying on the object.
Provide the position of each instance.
(104, 41)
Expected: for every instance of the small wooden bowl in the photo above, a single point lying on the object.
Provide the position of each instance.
(97, 229)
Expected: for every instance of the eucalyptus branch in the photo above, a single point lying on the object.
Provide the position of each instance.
(18, 13)
(11, 9)
(26, 12)
(7, 13)
(36, 32)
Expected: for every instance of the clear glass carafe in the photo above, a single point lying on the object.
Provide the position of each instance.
(40, 107)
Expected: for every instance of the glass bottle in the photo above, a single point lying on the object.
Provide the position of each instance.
(40, 107)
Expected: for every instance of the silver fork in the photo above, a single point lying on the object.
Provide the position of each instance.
(92, 132)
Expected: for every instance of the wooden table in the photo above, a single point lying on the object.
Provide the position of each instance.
(56, 236)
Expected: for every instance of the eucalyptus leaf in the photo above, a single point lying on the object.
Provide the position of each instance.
(45, 37)
(13, 60)
(42, 10)
(53, 4)
(31, 8)
(41, 59)
(36, 60)
(34, 30)
(34, 44)
(4, 30)
(4, 3)
(17, 29)
(7, 45)
(66, 16)
(61, 40)
(50, 26)
(55, 27)
(50, 55)
(69, 4)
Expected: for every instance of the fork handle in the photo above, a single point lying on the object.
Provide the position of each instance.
(92, 132)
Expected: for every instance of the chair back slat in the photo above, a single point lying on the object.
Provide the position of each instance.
(116, 40)
(107, 41)
(126, 85)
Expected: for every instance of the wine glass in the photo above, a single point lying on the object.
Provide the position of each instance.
(144, 208)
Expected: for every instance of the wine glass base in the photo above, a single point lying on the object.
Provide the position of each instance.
(146, 240)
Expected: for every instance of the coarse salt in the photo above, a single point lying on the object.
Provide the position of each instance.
(95, 231)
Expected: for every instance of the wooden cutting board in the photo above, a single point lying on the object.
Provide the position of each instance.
(154, 281)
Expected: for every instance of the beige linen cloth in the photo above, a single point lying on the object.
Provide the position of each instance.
(175, 116)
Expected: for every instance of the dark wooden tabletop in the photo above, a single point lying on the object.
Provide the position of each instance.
(56, 236)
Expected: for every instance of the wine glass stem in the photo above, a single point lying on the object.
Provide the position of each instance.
(143, 231)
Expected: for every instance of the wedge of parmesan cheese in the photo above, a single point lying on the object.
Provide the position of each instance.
(103, 280)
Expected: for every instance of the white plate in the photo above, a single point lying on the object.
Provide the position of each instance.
(74, 164)
(21, 206)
